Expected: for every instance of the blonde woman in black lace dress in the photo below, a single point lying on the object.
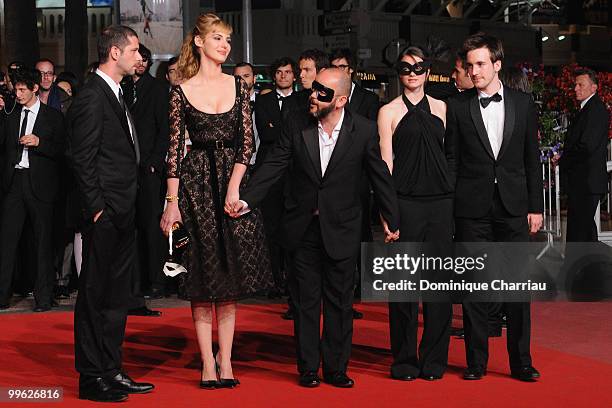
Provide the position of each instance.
(226, 259)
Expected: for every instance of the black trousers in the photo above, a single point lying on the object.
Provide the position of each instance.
(316, 277)
(581, 209)
(19, 203)
(497, 226)
(151, 243)
(422, 221)
(272, 209)
(104, 293)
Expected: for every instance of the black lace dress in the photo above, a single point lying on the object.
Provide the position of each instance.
(226, 259)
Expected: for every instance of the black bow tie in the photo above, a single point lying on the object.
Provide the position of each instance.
(281, 97)
(484, 102)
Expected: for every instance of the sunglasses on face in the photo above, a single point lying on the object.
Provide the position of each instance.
(405, 68)
(324, 94)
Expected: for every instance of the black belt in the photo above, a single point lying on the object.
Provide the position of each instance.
(210, 146)
(213, 144)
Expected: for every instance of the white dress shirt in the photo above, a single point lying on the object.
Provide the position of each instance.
(352, 89)
(116, 88)
(279, 95)
(585, 101)
(493, 117)
(24, 163)
(255, 133)
(327, 142)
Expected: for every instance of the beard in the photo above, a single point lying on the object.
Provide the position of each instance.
(322, 113)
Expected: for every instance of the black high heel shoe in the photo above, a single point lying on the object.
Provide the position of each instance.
(207, 384)
(225, 382)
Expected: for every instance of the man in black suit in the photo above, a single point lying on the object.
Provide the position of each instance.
(149, 108)
(33, 138)
(268, 123)
(583, 163)
(105, 153)
(321, 224)
(492, 147)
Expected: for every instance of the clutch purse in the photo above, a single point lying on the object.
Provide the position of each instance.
(178, 241)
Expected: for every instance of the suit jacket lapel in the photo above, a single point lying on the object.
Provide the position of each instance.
(356, 99)
(110, 95)
(509, 119)
(343, 143)
(479, 123)
(311, 140)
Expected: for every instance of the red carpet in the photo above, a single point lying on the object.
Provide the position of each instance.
(38, 352)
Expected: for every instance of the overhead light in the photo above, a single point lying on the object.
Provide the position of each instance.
(545, 38)
(561, 37)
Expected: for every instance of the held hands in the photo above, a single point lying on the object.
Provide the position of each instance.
(233, 206)
(29, 140)
(171, 215)
(535, 222)
(389, 236)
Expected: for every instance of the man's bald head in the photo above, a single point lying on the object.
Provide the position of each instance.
(337, 79)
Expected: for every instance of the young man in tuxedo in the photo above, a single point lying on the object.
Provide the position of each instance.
(105, 153)
(322, 220)
(149, 104)
(268, 122)
(583, 163)
(33, 140)
(492, 148)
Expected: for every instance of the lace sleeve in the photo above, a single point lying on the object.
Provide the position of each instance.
(176, 147)
(246, 140)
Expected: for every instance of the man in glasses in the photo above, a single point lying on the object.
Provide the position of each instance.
(49, 93)
(149, 108)
(322, 220)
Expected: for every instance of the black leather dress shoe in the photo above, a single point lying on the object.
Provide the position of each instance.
(495, 331)
(42, 308)
(123, 382)
(526, 373)
(155, 293)
(339, 379)
(431, 377)
(476, 373)
(144, 311)
(100, 390)
(457, 332)
(406, 377)
(357, 314)
(4, 306)
(309, 379)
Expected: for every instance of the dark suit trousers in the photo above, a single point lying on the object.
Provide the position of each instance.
(104, 293)
(422, 221)
(19, 203)
(272, 209)
(152, 246)
(315, 276)
(497, 226)
(581, 209)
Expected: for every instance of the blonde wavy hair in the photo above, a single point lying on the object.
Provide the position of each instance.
(189, 59)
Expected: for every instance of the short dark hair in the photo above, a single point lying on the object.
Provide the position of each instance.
(69, 77)
(320, 58)
(587, 71)
(144, 51)
(483, 40)
(281, 62)
(172, 61)
(345, 53)
(45, 60)
(244, 64)
(113, 36)
(515, 78)
(27, 76)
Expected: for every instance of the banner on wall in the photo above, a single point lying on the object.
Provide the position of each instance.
(158, 23)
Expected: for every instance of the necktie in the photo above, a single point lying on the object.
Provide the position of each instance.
(22, 131)
(252, 105)
(484, 102)
(134, 96)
